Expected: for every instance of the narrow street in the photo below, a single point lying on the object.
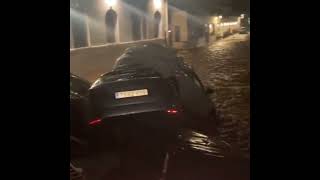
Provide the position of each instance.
(225, 67)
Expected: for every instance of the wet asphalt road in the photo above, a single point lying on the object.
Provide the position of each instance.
(225, 67)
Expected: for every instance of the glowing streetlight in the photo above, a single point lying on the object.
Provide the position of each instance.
(157, 4)
(242, 16)
(220, 17)
(111, 2)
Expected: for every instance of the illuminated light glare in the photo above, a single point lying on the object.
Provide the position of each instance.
(157, 4)
(172, 111)
(94, 122)
(210, 26)
(228, 23)
(220, 17)
(215, 20)
(169, 31)
(111, 2)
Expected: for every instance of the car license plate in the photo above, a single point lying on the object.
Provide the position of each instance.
(134, 93)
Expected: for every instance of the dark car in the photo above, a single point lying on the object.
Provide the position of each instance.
(79, 110)
(150, 88)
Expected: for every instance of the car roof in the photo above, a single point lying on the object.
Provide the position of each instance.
(132, 73)
(79, 78)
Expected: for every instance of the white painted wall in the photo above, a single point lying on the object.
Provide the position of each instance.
(163, 22)
(180, 18)
(92, 61)
(123, 31)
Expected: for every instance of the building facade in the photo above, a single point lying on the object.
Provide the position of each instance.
(100, 22)
(187, 30)
(178, 28)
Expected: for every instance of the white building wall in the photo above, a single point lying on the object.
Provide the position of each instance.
(97, 22)
(125, 25)
(180, 18)
(123, 31)
(90, 62)
(163, 10)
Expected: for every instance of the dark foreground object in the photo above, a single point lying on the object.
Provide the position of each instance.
(199, 157)
(193, 156)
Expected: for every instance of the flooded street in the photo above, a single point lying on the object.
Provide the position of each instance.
(225, 67)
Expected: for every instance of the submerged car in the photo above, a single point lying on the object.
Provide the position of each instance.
(152, 88)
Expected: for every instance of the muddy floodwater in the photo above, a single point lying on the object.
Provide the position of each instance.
(225, 67)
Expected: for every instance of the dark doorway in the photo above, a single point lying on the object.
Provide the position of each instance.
(177, 33)
(207, 33)
(78, 27)
(136, 26)
(157, 19)
(111, 21)
(144, 28)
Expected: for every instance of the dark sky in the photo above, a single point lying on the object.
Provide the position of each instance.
(241, 5)
(210, 6)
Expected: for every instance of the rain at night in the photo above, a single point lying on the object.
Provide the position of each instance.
(159, 90)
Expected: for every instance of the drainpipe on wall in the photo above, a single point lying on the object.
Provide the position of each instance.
(71, 38)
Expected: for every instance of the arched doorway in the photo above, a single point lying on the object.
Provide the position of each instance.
(111, 21)
(136, 26)
(157, 19)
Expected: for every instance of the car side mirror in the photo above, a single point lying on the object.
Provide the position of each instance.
(209, 90)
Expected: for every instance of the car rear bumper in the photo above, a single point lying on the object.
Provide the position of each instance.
(138, 128)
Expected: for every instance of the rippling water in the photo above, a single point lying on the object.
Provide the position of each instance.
(225, 67)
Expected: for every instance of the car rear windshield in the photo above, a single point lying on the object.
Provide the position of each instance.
(129, 74)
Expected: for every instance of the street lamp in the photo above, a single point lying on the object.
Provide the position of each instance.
(111, 2)
(157, 4)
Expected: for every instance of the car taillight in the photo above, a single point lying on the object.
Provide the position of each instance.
(95, 122)
(172, 111)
